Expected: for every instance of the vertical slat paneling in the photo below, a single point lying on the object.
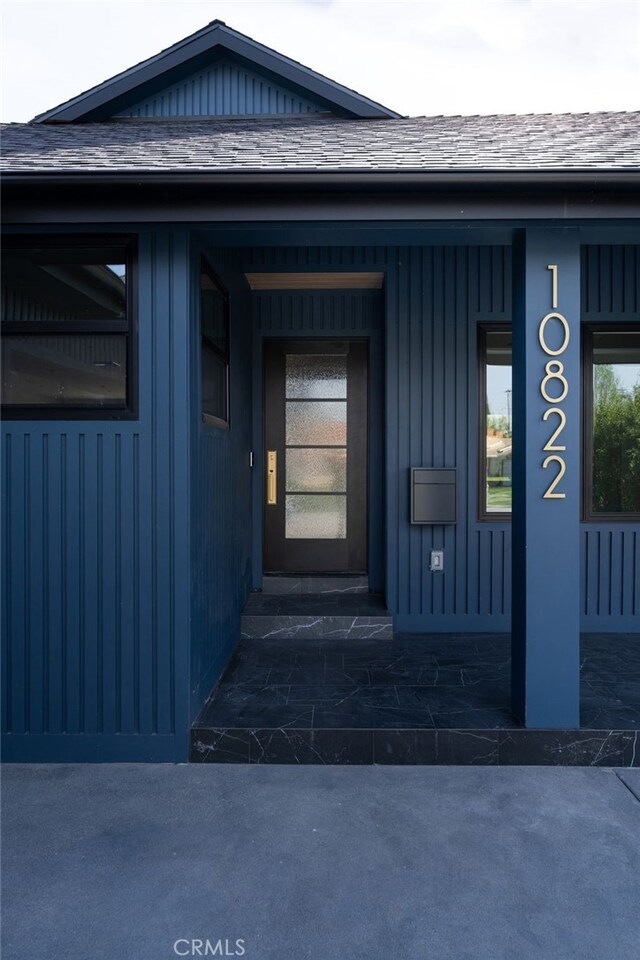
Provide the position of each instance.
(222, 89)
(450, 439)
(611, 572)
(171, 270)
(88, 514)
(392, 458)
(611, 283)
(402, 424)
(221, 503)
(35, 630)
(632, 279)
(72, 559)
(630, 598)
(78, 607)
(413, 382)
(323, 313)
(125, 667)
(434, 297)
(462, 427)
(466, 287)
(55, 667)
(90, 586)
(432, 414)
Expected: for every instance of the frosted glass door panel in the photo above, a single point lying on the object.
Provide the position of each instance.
(316, 428)
(316, 470)
(316, 423)
(316, 517)
(312, 377)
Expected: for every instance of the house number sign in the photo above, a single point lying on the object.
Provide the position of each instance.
(554, 389)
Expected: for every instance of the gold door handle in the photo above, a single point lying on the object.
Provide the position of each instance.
(272, 475)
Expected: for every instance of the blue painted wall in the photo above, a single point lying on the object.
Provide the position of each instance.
(610, 276)
(96, 555)
(221, 519)
(127, 544)
(435, 297)
(223, 89)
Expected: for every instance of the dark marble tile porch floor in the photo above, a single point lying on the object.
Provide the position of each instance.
(402, 692)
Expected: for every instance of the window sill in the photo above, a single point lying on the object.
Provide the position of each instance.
(612, 518)
(211, 421)
(55, 413)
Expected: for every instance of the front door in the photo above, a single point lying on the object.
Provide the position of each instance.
(315, 456)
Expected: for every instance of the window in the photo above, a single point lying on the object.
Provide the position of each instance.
(495, 437)
(612, 422)
(214, 348)
(67, 328)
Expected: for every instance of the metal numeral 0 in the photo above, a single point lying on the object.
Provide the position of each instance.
(542, 330)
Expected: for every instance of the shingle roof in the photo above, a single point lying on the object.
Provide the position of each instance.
(535, 142)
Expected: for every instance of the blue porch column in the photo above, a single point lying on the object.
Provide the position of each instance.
(545, 672)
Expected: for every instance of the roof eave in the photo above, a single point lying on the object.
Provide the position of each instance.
(350, 177)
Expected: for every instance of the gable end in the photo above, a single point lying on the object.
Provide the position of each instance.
(145, 81)
(224, 89)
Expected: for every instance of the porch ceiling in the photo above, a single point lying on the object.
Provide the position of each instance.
(316, 281)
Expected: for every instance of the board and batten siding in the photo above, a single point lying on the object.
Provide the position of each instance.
(223, 89)
(424, 412)
(221, 496)
(126, 544)
(96, 555)
(435, 298)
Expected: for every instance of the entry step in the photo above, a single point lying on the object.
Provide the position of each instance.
(415, 699)
(322, 586)
(330, 616)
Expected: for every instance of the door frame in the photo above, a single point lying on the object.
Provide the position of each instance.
(326, 557)
(373, 334)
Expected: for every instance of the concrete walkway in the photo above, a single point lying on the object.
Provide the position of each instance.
(410, 863)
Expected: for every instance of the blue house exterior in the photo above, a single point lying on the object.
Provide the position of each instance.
(133, 539)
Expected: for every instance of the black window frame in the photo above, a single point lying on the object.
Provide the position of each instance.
(128, 327)
(484, 515)
(223, 355)
(588, 514)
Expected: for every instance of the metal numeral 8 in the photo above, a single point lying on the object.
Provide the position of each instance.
(555, 371)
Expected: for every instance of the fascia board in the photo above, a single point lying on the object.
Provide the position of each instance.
(363, 179)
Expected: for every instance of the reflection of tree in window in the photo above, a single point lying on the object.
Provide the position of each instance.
(616, 435)
(498, 425)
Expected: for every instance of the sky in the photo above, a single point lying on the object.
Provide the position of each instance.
(418, 58)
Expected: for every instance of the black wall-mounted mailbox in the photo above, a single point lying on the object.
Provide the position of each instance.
(433, 495)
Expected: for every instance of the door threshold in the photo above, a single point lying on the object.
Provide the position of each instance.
(310, 583)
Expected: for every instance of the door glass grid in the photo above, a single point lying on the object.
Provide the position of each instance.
(316, 447)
